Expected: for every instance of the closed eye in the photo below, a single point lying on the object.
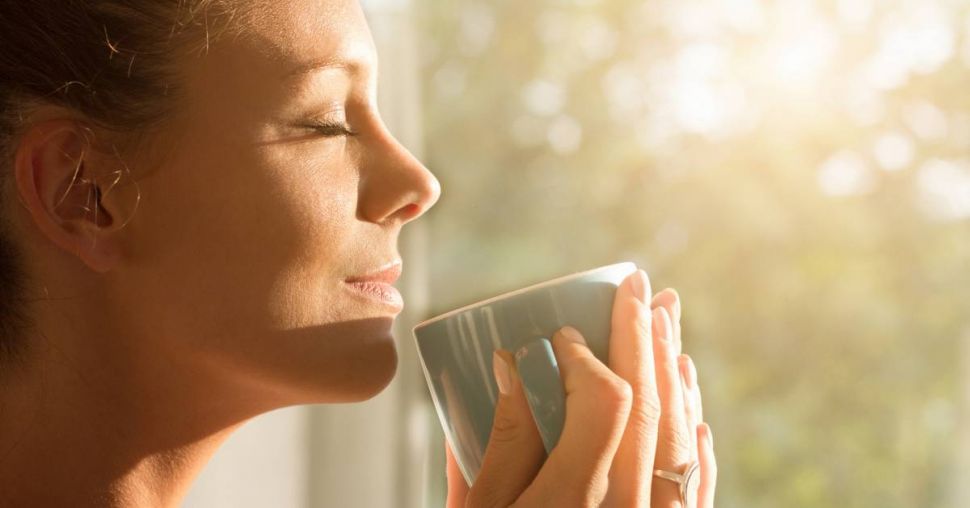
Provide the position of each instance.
(332, 129)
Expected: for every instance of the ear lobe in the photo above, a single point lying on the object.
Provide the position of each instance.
(57, 177)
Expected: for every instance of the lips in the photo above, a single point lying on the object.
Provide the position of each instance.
(387, 274)
(377, 287)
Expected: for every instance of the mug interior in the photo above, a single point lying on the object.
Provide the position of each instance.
(627, 267)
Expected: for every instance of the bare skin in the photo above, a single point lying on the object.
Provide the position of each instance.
(222, 296)
(639, 411)
(189, 283)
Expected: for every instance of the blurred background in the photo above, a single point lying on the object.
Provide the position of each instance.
(798, 170)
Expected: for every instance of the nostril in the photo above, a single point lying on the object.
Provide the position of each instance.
(410, 211)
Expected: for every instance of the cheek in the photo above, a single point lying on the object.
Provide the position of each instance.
(309, 212)
(256, 232)
(240, 255)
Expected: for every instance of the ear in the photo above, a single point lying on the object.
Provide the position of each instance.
(63, 185)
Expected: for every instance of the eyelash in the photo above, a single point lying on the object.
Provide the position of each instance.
(331, 129)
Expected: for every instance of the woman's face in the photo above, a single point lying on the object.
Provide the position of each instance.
(247, 232)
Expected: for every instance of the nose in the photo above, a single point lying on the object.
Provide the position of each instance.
(395, 187)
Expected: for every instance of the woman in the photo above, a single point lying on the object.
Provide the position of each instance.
(200, 214)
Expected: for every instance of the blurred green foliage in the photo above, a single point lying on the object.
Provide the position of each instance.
(797, 170)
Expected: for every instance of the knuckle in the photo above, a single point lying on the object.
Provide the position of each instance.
(644, 320)
(623, 393)
(646, 413)
(505, 429)
(614, 393)
(649, 406)
(677, 443)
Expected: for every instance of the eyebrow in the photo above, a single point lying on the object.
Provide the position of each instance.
(354, 67)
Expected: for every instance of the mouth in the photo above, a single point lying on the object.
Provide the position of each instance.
(377, 286)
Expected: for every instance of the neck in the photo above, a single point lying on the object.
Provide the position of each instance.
(82, 428)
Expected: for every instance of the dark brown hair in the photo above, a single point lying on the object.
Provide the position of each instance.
(107, 61)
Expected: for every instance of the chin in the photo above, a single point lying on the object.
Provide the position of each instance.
(381, 365)
(361, 368)
(344, 362)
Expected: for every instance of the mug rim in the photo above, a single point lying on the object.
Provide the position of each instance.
(514, 292)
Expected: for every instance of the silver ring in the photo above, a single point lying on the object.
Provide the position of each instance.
(689, 482)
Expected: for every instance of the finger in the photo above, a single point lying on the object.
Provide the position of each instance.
(708, 464)
(690, 407)
(698, 404)
(514, 453)
(597, 407)
(631, 358)
(673, 443)
(457, 488)
(670, 300)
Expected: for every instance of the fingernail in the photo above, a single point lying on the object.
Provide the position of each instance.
(676, 306)
(572, 334)
(503, 375)
(710, 435)
(691, 372)
(659, 324)
(687, 372)
(640, 285)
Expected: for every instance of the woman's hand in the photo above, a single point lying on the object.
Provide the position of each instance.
(623, 421)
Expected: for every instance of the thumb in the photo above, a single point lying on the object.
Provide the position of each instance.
(515, 452)
(457, 488)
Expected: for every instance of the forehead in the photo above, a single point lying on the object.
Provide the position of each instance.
(298, 36)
